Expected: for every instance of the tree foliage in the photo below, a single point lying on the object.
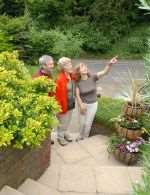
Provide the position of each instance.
(12, 7)
(91, 25)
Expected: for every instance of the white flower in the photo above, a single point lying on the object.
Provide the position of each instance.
(135, 121)
(136, 150)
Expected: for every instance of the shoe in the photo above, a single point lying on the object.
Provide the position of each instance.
(62, 142)
(79, 138)
(68, 138)
(52, 142)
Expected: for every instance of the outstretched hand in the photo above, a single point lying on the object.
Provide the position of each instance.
(113, 60)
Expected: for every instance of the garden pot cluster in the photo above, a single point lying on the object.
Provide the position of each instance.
(129, 127)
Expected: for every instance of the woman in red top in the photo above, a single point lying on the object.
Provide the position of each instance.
(65, 95)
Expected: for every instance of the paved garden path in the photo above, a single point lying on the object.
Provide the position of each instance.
(82, 168)
(85, 168)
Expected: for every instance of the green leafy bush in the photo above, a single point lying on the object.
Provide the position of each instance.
(136, 45)
(5, 43)
(96, 41)
(27, 113)
(55, 42)
(143, 188)
(67, 44)
(46, 13)
(12, 7)
(17, 32)
(115, 16)
(10, 62)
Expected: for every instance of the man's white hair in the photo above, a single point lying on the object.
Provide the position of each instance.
(43, 60)
(63, 61)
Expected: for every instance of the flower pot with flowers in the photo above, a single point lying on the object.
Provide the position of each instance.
(129, 128)
(124, 150)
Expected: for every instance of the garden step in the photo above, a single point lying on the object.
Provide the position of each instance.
(10, 191)
(92, 149)
(31, 187)
(85, 179)
(117, 180)
(77, 151)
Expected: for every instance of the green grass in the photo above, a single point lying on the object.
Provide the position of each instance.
(108, 108)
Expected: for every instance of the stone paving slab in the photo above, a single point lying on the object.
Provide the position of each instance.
(77, 179)
(51, 176)
(74, 193)
(113, 194)
(56, 158)
(85, 168)
(72, 153)
(103, 158)
(94, 144)
(6, 190)
(91, 162)
(32, 187)
(110, 179)
(135, 174)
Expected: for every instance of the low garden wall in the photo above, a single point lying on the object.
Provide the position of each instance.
(17, 165)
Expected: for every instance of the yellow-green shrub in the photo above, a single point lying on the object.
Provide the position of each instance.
(27, 113)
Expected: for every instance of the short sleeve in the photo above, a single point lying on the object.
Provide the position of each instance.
(95, 77)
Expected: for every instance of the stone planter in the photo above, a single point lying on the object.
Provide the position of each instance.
(131, 110)
(129, 133)
(127, 158)
(17, 165)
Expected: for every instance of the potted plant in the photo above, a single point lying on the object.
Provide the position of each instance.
(130, 90)
(27, 117)
(128, 127)
(124, 150)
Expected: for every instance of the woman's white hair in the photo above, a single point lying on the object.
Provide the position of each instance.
(44, 60)
(63, 61)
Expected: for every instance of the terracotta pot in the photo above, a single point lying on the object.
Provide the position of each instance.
(127, 158)
(132, 110)
(129, 133)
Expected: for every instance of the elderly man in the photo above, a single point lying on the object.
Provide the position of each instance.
(47, 65)
(66, 98)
